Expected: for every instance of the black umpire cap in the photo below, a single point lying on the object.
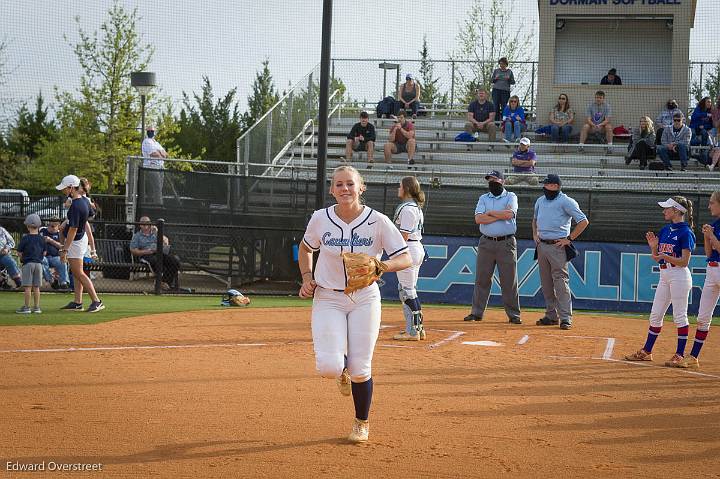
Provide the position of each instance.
(497, 174)
(552, 179)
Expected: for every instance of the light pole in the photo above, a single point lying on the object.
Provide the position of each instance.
(143, 82)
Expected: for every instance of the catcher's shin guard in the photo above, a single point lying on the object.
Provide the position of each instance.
(417, 319)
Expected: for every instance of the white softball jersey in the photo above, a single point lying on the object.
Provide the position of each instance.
(370, 233)
(409, 219)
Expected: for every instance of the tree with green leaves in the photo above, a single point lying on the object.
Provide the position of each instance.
(208, 128)
(31, 129)
(710, 85)
(12, 168)
(484, 36)
(98, 123)
(430, 92)
(263, 96)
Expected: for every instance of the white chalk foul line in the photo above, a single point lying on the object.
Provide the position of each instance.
(638, 363)
(452, 337)
(646, 364)
(609, 348)
(523, 340)
(609, 345)
(121, 348)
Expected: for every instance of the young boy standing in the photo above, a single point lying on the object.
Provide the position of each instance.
(32, 250)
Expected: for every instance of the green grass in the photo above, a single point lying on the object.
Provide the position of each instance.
(120, 306)
(127, 306)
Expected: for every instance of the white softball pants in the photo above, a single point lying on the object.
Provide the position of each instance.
(408, 277)
(674, 287)
(340, 326)
(709, 298)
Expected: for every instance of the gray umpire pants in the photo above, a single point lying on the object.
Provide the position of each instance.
(504, 255)
(555, 282)
(154, 186)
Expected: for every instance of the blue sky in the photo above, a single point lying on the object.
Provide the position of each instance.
(228, 40)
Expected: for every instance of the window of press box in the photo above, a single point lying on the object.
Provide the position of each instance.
(639, 49)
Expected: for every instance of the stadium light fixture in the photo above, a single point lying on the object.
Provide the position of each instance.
(143, 82)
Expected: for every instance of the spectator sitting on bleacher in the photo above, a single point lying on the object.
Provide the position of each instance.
(401, 139)
(502, 80)
(143, 245)
(642, 143)
(6, 244)
(714, 158)
(513, 118)
(51, 234)
(561, 120)
(675, 143)
(611, 78)
(665, 119)
(361, 138)
(701, 124)
(523, 162)
(481, 115)
(598, 118)
(408, 97)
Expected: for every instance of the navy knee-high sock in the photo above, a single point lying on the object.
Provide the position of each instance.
(362, 397)
(653, 333)
(700, 337)
(682, 340)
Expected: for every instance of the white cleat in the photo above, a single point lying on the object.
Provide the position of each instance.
(403, 336)
(360, 431)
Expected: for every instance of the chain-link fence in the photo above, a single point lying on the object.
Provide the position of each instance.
(155, 257)
(288, 200)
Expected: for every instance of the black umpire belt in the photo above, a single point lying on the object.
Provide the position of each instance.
(550, 241)
(497, 238)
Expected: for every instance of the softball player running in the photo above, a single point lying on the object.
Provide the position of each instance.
(409, 218)
(345, 328)
(711, 288)
(672, 250)
(76, 243)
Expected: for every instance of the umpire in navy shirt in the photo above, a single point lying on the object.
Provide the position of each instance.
(554, 212)
(495, 213)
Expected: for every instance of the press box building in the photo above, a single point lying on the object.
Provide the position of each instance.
(647, 41)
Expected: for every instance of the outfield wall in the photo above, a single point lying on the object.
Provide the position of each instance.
(604, 276)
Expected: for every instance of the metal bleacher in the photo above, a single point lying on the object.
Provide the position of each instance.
(448, 162)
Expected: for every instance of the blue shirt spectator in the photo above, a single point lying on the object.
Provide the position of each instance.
(77, 217)
(553, 217)
(702, 115)
(517, 114)
(489, 202)
(32, 247)
(51, 249)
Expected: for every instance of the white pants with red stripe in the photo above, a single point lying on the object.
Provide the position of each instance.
(709, 298)
(674, 287)
(345, 325)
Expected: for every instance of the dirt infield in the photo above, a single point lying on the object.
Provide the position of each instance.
(235, 394)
